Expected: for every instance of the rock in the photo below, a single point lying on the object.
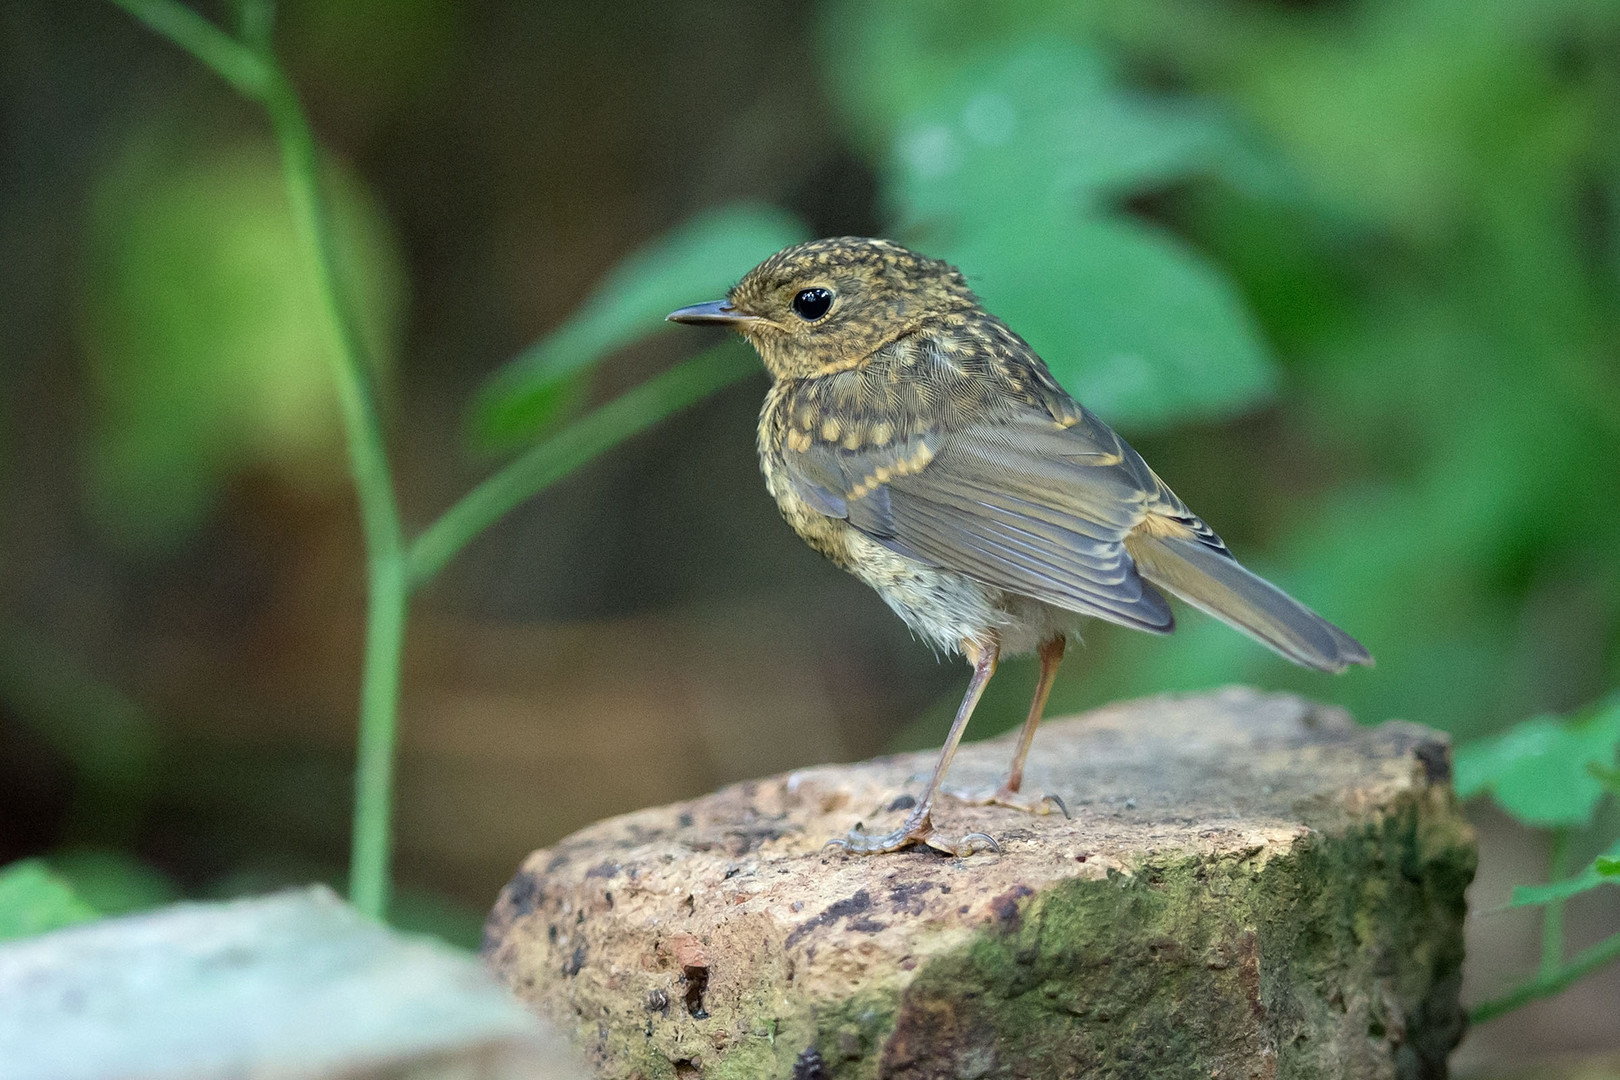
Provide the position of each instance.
(296, 985)
(1251, 886)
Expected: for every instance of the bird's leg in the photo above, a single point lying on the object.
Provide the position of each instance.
(918, 828)
(1008, 794)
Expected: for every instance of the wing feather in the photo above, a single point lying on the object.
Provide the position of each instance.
(1024, 503)
(1014, 484)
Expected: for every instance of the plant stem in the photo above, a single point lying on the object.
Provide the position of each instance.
(254, 72)
(249, 72)
(387, 589)
(570, 448)
(372, 843)
(1552, 916)
(1547, 984)
(392, 569)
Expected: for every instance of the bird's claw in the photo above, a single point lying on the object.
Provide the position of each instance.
(1013, 800)
(970, 844)
(915, 830)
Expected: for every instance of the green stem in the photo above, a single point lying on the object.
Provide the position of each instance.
(392, 569)
(249, 72)
(570, 448)
(387, 589)
(1552, 916)
(372, 844)
(254, 72)
(1547, 984)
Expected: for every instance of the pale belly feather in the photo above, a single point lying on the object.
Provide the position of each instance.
(942, 607)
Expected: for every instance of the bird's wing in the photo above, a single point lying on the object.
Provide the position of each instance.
(1025, 502)
(962, 452)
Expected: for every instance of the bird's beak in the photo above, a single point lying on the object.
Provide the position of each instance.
(715, 312)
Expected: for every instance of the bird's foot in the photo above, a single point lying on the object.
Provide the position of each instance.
(917, 829)
(1015, 800)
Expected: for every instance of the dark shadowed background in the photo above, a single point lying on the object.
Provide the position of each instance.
(1347, 273)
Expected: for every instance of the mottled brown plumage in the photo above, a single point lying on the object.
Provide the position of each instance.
(918, 442)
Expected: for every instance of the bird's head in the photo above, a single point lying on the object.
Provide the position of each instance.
(828, 305)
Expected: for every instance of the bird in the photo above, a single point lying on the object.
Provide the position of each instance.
(916, 441)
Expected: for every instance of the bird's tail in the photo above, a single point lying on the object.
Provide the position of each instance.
(1214, 582)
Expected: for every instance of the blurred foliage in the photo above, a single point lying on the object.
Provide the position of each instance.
(34, 900)
(1541, 770)
(1016, 171)
(112, 882)
(697, 259)
(81, 885)
(1605, 868)
(383, 52)
(112, 743)
(205, 355)
(1552, 773)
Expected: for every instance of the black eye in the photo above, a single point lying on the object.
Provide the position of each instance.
(812, 304)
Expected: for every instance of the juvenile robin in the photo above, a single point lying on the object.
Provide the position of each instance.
(915, 440)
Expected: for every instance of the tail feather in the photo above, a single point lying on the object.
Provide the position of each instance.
(1212, 581)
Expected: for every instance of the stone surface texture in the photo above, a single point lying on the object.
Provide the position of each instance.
(296, 986)
(1250, 886)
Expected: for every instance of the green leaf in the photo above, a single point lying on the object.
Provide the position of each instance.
(1012, 173)
(1046, 121)
(34, 900)
(113, 882)
(204, 356)
(572, 446)
(1605, 869)
(1606, 775)
(1129, 320)
(696, 262)
(1538, 770)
